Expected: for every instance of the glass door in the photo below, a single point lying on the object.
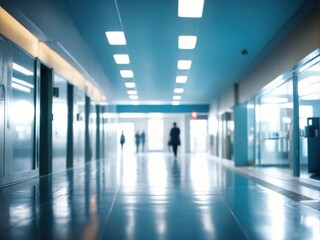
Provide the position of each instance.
(2, 112)
(274, 112)
(309, 108)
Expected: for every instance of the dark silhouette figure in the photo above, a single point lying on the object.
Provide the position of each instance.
(137, 137)
(122, 140)
(143, 140)
(175, 138)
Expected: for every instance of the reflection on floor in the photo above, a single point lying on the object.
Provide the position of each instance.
(152, 196)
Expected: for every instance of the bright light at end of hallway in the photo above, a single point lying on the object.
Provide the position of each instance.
(190, 8)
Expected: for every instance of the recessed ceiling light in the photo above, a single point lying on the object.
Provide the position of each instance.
(175, 102)
(126, 73)
(190, 8)
(187, 42)
(132, 92)
(135, 102)
(134, 97)
(176, 97)
(121, 58)
(184, 64)
(130, 85)
(116, 38)
(178, 90)
(181, 79)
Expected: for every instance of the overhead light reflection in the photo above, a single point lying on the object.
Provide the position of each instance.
(22, 70)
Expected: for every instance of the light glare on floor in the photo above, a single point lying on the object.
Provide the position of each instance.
(190, 8)
(187, 42)
(116, 38)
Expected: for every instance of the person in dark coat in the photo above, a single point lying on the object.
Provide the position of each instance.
(137, 137)
(143, 140)
(175, 138)
(122, 140)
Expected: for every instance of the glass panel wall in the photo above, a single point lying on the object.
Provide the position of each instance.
(309, 107)
(22, 111)
(251, 132)
(2, 113)
(274, 113)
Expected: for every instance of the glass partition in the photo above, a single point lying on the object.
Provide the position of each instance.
(309, 107)
(22, 111)
(251, 132)
(274, 113)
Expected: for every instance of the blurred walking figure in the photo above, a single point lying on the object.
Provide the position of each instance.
(175, 138)
(137, 137)
(143, 139)
(122, 140)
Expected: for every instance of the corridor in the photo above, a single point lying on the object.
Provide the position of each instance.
(152, 196)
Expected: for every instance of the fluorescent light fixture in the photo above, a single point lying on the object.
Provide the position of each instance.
(175, 102)
(22, 82)
(130, 85)
(184, 64)
(135, 102)
(176, 97)
(187, 42)
(126, 73)
(190, 8)
(21, 69)
(116, 38)
(20, 87)
(134, 97)
(178, 90)
(121, 58)
(132, 92)
(181, 79)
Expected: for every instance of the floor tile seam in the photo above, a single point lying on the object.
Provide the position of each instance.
(259, 179)
(235, 217)
(291, 186)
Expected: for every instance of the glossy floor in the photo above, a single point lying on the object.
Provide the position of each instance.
(152, 196)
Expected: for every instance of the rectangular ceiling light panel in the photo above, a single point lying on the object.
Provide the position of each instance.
(126, 73)
(187, 42)
(130, 85)
(175, 102)
(184, 64)
(181, 79)
(134, 97)
(121, 58)
(116, 38)
(132, 92)
(190, 8)
(178, 90)
(176, 97)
